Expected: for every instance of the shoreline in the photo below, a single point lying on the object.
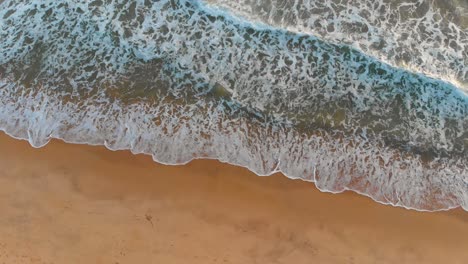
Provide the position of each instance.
(346, 189)
(66, 203)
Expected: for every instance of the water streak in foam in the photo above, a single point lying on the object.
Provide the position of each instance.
(180, 80)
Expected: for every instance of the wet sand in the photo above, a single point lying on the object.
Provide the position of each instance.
(81, 204)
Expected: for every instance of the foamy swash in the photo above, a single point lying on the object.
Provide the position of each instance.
(184, 79)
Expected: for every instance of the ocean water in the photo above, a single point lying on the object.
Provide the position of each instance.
(361, 95)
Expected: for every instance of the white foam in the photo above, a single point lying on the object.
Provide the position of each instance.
(66, 74)
(334, 165)
(420, 36)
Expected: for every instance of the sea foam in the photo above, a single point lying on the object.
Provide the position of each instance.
(180, 80)
(424, 36)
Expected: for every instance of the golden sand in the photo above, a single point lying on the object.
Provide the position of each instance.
(81, 204)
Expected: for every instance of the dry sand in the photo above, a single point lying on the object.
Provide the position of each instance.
(80, 204)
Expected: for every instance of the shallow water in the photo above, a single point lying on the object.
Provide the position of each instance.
(259, 84)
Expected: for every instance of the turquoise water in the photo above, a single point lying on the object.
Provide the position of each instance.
(269, 85)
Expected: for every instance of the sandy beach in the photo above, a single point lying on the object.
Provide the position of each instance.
(69, 203)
